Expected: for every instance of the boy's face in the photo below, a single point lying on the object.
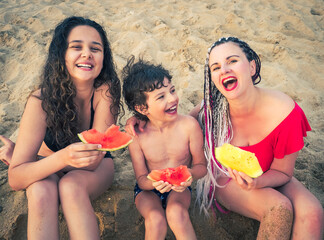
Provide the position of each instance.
(162, 104)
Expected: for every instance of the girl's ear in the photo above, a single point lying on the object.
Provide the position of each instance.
(141, 109)
(252, 68)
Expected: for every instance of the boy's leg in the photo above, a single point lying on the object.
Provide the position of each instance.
(178, 216)
(308, 211)
(150, 207)
(267, 205)
(43, 209)
(77, 188)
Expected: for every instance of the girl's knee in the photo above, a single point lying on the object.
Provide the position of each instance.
(42, 194)
(70, 186)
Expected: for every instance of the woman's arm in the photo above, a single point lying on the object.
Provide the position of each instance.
(195, 111)
(280, 172)
(196, 142)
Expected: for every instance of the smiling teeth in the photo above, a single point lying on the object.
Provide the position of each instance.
(229, 79)
(84, 65)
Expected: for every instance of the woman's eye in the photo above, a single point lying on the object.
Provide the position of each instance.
(215, 69)
(76, 47)
(233, 61)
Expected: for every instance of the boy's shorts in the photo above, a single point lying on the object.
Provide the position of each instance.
(162, 196)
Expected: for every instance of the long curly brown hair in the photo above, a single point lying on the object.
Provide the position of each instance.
(58, 90)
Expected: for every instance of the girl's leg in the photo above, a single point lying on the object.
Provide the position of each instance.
(178, 215)
(308, 211)
(150, 207)
(77, 188)
(43, 209)
(270, 207)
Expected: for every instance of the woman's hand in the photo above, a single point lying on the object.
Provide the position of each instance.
(242, 179)
(131, 123)
(183, 186)
(86, 156)
(6, 150)
(162, 187)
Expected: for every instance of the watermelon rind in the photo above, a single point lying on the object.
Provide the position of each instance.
(106, 149)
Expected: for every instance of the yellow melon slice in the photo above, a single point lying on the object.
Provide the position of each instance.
(238, 159)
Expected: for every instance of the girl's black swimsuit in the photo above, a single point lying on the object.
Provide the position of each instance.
(53, 145)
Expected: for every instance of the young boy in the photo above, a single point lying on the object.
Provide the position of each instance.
(168, 140)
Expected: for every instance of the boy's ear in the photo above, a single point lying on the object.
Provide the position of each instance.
(141, 109)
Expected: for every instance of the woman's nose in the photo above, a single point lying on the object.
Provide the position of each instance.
(225, 69)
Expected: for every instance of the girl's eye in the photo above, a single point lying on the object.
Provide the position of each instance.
(76, 47)
(95, 49)
(215, 69)
(233, 61)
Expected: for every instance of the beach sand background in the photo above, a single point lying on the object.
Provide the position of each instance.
(288, 35)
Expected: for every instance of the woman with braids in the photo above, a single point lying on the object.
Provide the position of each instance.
(265, 122)
(79, 90)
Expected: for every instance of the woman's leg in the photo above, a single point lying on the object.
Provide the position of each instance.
(149, 206)
(178, 215)
(308, 211)
(270, 207)
(43, 209)
(76, 189)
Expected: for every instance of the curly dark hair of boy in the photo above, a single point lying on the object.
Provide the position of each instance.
(58, 90)
(138, 78)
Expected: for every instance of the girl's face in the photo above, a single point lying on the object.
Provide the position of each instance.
(162, 104)
(84, 55)
(230, 70)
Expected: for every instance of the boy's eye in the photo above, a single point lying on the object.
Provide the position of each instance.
(161, 97)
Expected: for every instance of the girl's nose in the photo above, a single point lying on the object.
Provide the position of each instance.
(86, 53)
(225, 68)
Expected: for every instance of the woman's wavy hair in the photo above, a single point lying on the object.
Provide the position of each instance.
(216, 123)
(58, 90)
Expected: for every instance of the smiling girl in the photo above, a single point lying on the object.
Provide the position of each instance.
(79, 90)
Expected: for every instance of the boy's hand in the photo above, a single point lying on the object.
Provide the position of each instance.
(162, 187)
(183, 186)
(6, 150)
(131, 123)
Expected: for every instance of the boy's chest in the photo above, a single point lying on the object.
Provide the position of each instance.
(168, 150)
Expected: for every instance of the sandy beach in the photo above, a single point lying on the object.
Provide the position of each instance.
(288, 35)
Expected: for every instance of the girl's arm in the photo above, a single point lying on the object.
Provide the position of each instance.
(24, 169)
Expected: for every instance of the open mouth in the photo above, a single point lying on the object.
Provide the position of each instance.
(172, 110)
(229, 83)
(86, 66)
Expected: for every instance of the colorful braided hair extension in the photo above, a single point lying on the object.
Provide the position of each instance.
(215, 120)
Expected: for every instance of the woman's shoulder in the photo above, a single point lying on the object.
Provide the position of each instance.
(278, 101)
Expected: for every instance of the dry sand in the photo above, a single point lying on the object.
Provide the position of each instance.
(287, 34)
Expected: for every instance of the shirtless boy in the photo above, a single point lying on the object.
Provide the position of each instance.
(168, 140)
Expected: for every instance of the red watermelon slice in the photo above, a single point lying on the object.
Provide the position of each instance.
(174, 176)
(111, 140)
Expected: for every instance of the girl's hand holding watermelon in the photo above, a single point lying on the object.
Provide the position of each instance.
(86, 156)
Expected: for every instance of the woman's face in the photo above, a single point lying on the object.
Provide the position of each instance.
(230, 70)
(85, 53)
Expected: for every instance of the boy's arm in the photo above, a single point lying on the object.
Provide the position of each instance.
(196, 146)
(139, 165)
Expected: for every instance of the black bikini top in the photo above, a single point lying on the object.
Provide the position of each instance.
(50, 140)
